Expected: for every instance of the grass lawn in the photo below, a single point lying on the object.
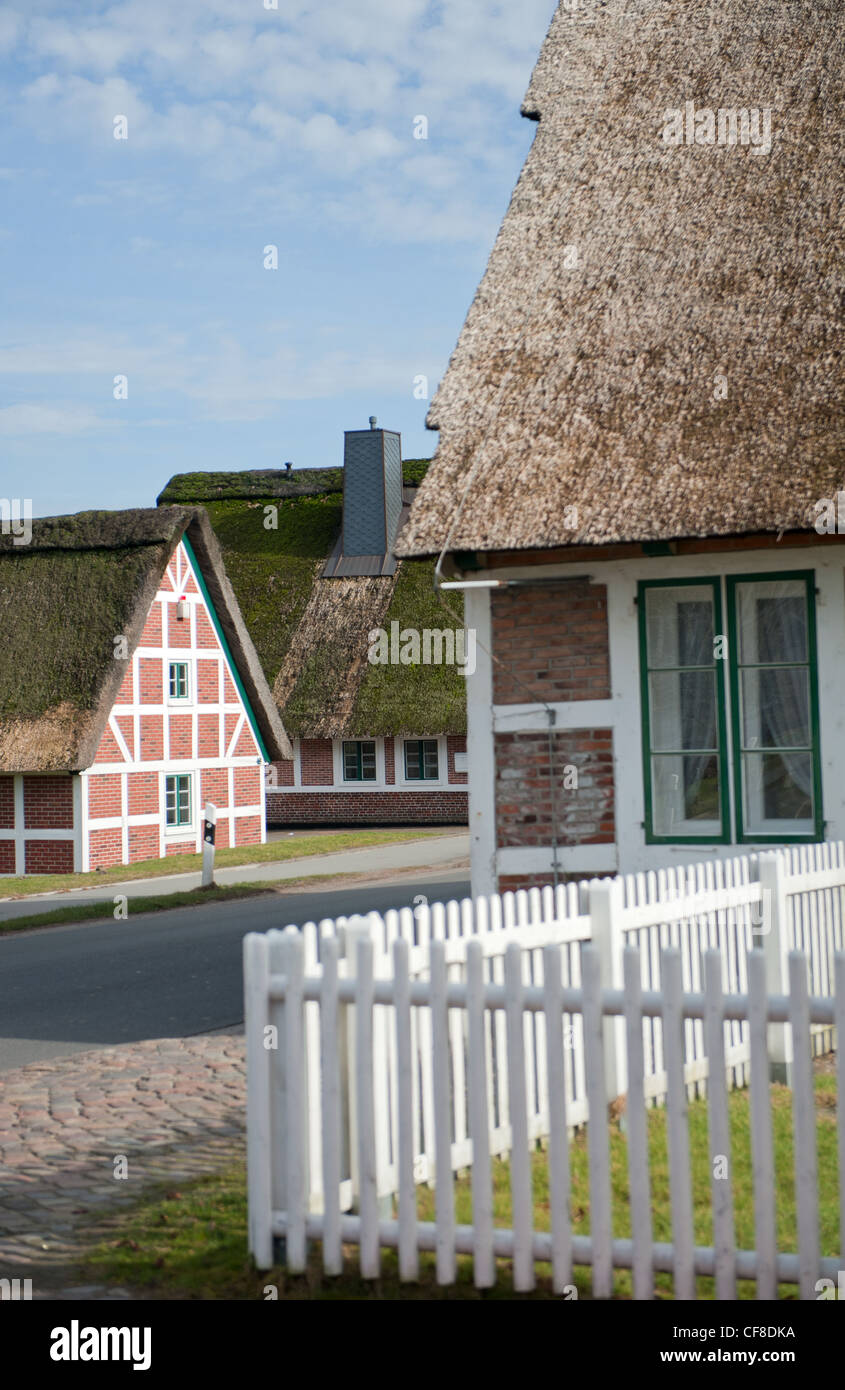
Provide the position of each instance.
(93, 912)
(190, 1243)
(274, 852)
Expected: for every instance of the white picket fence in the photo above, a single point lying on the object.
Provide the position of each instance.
(393, 1119)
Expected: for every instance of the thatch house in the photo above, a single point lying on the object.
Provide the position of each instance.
(642, 449)
(364, 662)
(130, 694)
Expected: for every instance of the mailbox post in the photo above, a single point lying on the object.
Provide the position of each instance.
(209, 831)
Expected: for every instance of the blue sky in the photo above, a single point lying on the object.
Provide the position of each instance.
(247, 127)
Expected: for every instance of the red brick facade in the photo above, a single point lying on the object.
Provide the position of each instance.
(388, 802)
(372, 808)
(551, 643)
(583, 788)
(150, 736)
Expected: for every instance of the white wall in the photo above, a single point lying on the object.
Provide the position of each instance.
(621, 712)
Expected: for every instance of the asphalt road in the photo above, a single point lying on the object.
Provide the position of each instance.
(160, 975)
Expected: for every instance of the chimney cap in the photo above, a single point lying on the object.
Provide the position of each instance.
(373, 422)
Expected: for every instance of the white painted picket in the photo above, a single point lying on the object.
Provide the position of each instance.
(473, 999)
(424, 1096)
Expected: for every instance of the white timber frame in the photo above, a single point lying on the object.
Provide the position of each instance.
(165, 708)
(622, 712)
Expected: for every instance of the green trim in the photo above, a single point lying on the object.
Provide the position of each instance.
(358, 745)
(198, 575)
(645, 713)
(179, 778)
(419, 742)
(808, 577)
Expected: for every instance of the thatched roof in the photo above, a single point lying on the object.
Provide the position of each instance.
(64, 597)
(582, 405)
(310, 629)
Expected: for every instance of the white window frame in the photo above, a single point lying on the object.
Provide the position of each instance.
(188, 829)
(187, 698)
(423, 783)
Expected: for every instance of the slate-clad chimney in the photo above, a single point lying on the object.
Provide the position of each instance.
(372, 490)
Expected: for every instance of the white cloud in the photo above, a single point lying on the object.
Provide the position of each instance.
(47, 419)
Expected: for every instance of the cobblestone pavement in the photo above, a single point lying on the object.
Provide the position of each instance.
(173, 1108)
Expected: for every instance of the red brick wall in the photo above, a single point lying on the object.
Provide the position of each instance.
(207, 683)
(389, 761)
(109, 749)
(373, 808)
(316, 763)
(551, 643)
(7, 803)
(181, 738)
(456, 743)
(178, 629)
(48, 803)
(104, 796)
(206, 636)
(124, 694)
(142, 793)
(106, 847)
(150, 680)
(151, 636)
(247, 786)
(247, 830)
(7, 856)
(585, 814)
(208, 735)
(283, 772)
(49, 857)
(143, 842)
(215, 786)
(152, 737)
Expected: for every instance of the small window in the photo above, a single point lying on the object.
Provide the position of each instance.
(178, 800)
(179, 680)
(421, 763)
(359, 760)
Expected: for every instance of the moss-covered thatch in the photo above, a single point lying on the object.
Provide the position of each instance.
(81, 582)
(276, 531)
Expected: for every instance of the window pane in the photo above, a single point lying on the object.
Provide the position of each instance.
(683, 710)
(412, 759)
(776, 707)
(368, 761)
(430, 759)
(772, 621)
(679, 626)
(685, 794)
(350, 762)
(778, 793)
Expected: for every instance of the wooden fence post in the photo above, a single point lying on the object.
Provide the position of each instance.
(773, 933)
(259, 1147)
(356, 929)
(277, 1099)
(605, 909)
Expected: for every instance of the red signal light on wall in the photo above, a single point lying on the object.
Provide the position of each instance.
(182, 608)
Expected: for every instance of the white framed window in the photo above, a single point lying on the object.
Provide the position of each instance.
(358, 760)
(179, 681)
(421, 759)
(178, 801)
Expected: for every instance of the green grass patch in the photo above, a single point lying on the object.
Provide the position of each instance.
(274, 852)
(190, 1243)
(163, 902)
